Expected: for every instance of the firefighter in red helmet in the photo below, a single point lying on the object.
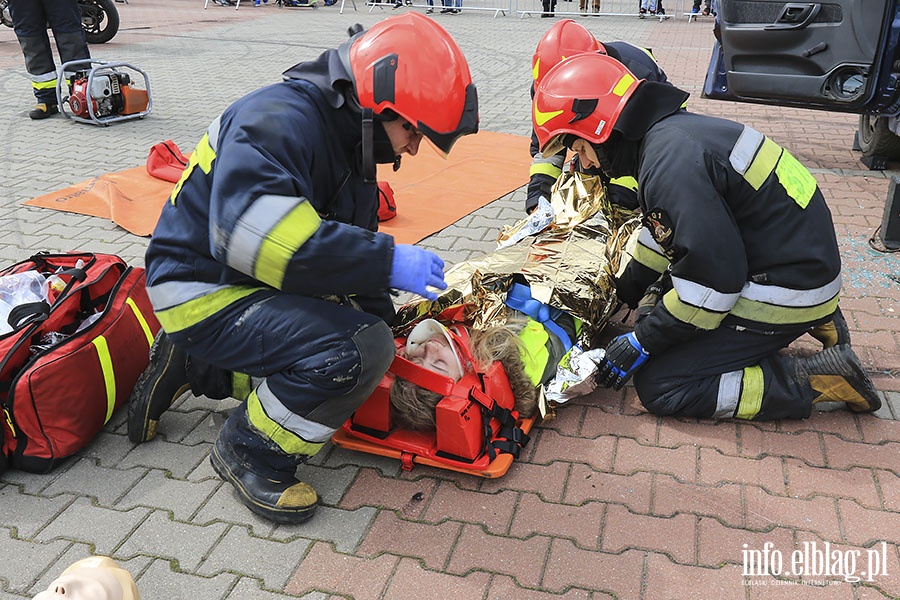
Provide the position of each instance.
(266, 269)
(743, 232)
(563, 40)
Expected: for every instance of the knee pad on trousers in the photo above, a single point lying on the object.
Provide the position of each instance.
(71, 45)
(38, 55)
(663, 405)
(375, 346)
(685, 400)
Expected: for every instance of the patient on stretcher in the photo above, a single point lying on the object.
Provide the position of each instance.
(527, 350)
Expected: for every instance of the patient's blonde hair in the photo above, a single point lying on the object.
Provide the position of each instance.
(413, 406)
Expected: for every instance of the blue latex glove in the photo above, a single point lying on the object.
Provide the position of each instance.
(415, 270)
(624, 356)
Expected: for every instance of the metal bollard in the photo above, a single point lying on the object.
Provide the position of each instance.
(890, 224)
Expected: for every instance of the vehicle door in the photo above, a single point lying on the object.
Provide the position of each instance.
(836, 55)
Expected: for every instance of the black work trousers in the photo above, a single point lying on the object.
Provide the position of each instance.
(725, 373)
(30, 20)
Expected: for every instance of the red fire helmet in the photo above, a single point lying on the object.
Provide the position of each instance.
(412, 66)
(565, 39)
(582, 96)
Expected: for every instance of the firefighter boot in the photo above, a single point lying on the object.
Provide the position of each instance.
(834, 332)
(43, 110)
(836, 375)
(162, 382)
(261, 473)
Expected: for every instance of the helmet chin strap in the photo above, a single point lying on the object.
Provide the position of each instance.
(370, 173)
(603, 158)
(376, 146)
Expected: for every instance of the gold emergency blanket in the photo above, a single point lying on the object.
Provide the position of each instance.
(568, 264)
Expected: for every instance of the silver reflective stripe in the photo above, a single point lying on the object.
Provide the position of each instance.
(646, 239)
(278, 412)
(702, 296)
(172, 293)
(781, 296)
(212, 133)
(44, 77)
(252, 228)
(745, 149)
(729, 394)
(557, 160)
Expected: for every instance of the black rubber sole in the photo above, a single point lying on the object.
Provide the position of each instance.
(143, 416)
(277, 515)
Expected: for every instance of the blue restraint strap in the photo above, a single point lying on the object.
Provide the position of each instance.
(519, 298)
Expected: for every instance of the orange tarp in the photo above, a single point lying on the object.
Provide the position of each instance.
(431, 192)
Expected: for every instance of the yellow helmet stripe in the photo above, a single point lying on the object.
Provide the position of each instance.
(541, 117)
(624, 84)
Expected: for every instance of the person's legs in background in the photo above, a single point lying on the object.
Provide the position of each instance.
(30, 19)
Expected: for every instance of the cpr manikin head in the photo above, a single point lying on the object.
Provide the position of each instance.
(94, 578)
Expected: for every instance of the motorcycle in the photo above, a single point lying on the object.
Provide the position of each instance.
(100, 19)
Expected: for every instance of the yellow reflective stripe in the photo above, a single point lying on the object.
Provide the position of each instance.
(241, 386)
(698, 317)
(283, 241)
(535, 69)
(193, 311)
(9, 422)
(623, 84)
(290, 442)
(203, 155)
(109, 376)
(763, 164)
(650, 258)
(141, 320)
(545, 168)
(647, 52)
(44, 85)
(751, 393)
(796, 179)
(625, 182)
(534, 351)
(782, 315)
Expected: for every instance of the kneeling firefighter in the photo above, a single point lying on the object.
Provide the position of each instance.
(266, 261)
(563, 40)
(745, 235)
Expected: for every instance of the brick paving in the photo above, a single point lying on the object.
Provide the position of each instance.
(607, 501)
